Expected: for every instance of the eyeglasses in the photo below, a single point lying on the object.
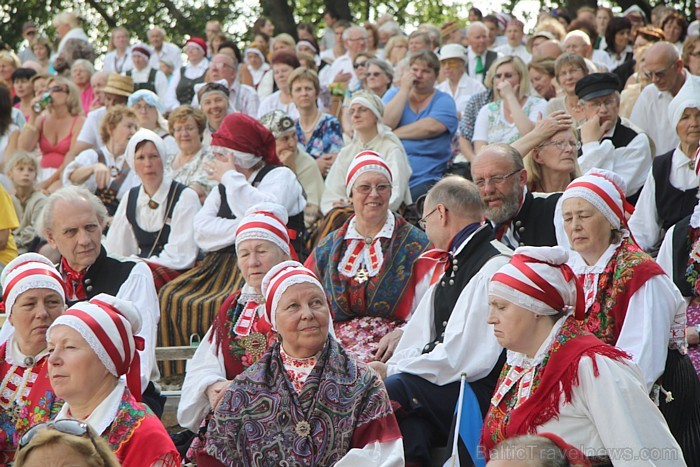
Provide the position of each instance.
(66, 426)
(58, 89)
(503, 75)
(367, 189)
(357, 39)
(422, 220)
(359, 65)
(562, 145)
(219, 65)
(661, 74)
(495, 180)
(609, 102)
(375, 74)
(695, 54)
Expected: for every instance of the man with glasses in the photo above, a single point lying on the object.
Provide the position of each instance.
(517, 216)
(355, 40)
(223, 69)
(609, 142)
(447, 335)
(663, 67)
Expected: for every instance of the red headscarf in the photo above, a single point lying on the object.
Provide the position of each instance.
(245, 134)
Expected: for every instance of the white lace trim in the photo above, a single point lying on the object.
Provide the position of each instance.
(38, 282)
(293, 280)
(260, 234)
(78, 325)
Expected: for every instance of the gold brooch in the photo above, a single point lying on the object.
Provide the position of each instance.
(303, 428)
(255, 343)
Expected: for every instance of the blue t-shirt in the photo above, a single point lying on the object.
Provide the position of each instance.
(428, 157)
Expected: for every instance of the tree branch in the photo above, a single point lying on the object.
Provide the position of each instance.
(102, 12)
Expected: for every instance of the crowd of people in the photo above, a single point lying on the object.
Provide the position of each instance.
(374, 237)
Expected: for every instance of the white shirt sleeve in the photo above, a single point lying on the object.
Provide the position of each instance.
(85, 158)
(335, 184)
(397, 161)
(206, 368)
(380, 454)
(631, 162)
(665, 255)
(613, 390)
(171, 102)
(481, 126)
(181, 250)
(141, 291)
(121, 241)
(469, 345)
(161, 85)
(89, 133)
(645, 223)
(211, 232)
(646, 330)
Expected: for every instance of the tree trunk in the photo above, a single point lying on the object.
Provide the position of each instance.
(281, 15)
(341, 8)
(573, 5)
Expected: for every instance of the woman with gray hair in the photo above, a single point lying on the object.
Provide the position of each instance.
(366, 112)
(81, 73)
(380, 75)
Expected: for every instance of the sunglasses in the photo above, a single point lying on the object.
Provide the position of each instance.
(66, 426)
(359, 65)
(375, 74)
(57, 89)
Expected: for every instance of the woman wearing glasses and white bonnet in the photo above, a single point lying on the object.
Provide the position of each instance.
(366, 266)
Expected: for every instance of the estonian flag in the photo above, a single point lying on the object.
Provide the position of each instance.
(468, 424)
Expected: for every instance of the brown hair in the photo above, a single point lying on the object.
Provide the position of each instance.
(112, 118)
(182, 113)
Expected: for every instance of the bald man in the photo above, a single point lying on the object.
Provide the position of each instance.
(480, 58)
(664, 69)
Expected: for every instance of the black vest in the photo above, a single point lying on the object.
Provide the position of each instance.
(681, 251)
(465, 265)
(150, 84)
(106, 275)
(185, 87)
(152, 243)
(295, 222)
(672, 204)
(534, 223)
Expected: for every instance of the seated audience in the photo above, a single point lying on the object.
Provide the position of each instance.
(239, 334)
(8, 223)
(259, 70)
(691, 55)
(513, 111)
(22, 169)
(608, 142)
(424, 119)
(187, 125)
(214, 102)
(380, 75)
(81, 73)
(352, 420)
(373, 247)
(629, 301)
(55, 131)
(318, 132)
(104, 171)
(617, 38)
(34, 296)
(118, 59)
(552, 164)
(294, 156)
(514, 45)
(182, 82)
(671, 187)
(146, 76)
(559, 378)
(480, 58)
(422, 376)
(91, 346)
(248, 172)
(72, 441)
(569, 69)
(23, 90)
(154, 220)
(283, 64)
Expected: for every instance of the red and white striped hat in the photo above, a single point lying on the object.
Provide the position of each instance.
(109, 326)
(697, 162)
(366, 161)
(29, 271)
(265, 221)
(604, 190)
(539, 280)
(280, 278)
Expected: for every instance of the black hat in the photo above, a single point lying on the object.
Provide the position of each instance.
(596, 85)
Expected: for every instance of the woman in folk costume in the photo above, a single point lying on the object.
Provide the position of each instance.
(154, 220)
(560, 379)
(34, 296)
(629, 301)
(240, 334)
(248, 172)
(91, 346)
(307, 401)
(366, 266)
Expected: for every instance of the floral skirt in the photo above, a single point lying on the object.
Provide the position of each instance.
(693, 316)
(360, 336)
